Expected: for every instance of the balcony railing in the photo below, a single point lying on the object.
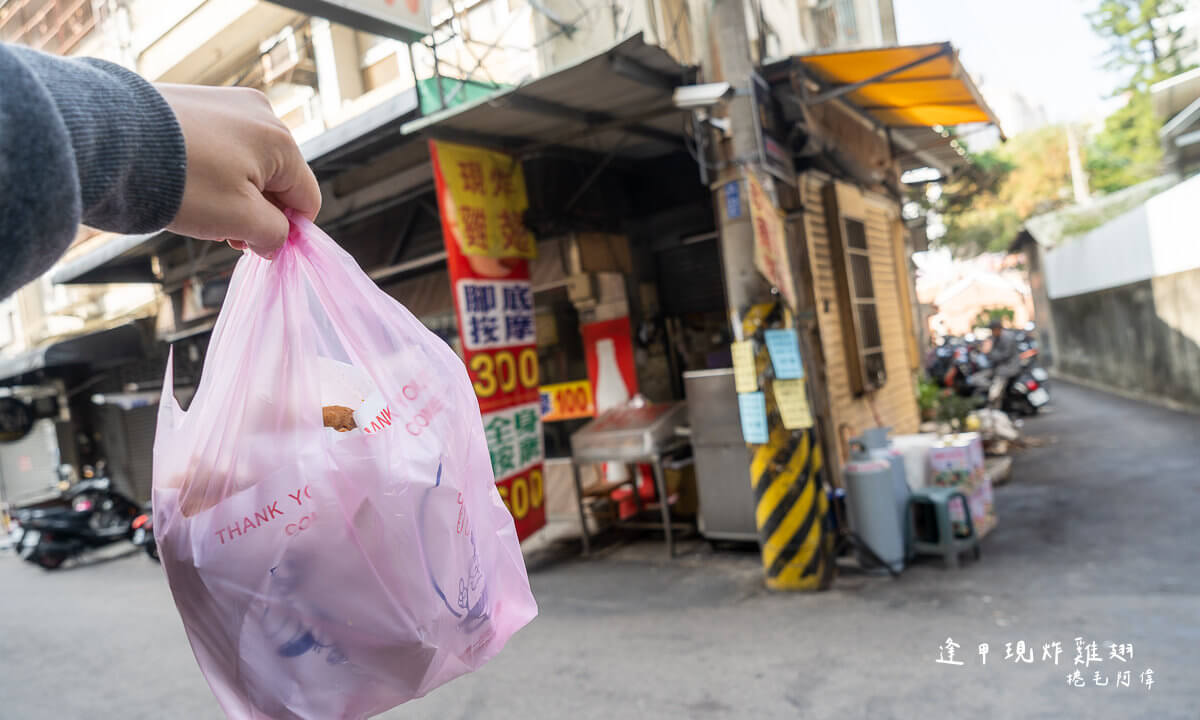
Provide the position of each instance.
(55, 26)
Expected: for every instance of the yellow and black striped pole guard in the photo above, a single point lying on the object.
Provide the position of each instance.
(791, 508)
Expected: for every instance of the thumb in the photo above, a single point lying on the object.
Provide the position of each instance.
(261, 226)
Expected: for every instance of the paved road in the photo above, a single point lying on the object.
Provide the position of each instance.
(1096, 539)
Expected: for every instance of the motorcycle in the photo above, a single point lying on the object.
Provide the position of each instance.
(143, 532)
(961, 366)
(1026, 392)
(94, 515)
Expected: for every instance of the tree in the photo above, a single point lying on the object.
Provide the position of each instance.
(987, 315)
(983, 207)
(1143, 44)
(1146, 46)
(1127, 151)
(983, 176)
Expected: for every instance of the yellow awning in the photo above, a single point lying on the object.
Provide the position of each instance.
(909, 86)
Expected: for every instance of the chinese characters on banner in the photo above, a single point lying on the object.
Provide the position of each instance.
(770, 241)
(481, 197)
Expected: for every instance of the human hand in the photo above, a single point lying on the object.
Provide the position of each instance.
(243, 168)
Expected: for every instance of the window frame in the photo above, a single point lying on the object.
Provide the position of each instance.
(844, 204)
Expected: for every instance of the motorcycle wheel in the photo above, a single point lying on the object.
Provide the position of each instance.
(49, 561)
(152, 551)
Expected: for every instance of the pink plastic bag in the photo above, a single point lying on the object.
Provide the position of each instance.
(324, 574)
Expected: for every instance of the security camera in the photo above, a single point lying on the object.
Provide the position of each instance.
(699, 97)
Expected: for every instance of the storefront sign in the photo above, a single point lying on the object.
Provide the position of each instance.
(770, 241)
(733, 200)
(608, 346)
(481, 196)
(567, 401)
(772, 149)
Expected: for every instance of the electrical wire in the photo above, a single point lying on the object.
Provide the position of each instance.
(464, 38)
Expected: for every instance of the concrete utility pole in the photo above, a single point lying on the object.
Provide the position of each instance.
(1079, 180)
(785, 473)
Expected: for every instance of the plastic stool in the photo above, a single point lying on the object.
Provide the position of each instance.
(948, 545)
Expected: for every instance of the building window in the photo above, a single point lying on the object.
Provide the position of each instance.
(846, 217)
(847, 23)
(835, 23)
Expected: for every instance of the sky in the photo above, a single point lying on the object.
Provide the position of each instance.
(1044, 49)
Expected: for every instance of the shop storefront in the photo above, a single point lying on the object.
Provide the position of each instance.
(622, 229)
(623, 268)
(872, 114)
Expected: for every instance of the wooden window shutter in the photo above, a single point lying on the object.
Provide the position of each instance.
(846, 217)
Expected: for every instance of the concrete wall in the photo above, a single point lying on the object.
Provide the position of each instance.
(1047, 334)
(1140, 338)
(1123, 300)
(1155, 239)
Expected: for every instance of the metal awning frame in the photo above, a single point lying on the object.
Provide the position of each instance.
(125, 341)
(825, 93)
(395, 121)
(840, 90)
(99, 266)
(594, 121)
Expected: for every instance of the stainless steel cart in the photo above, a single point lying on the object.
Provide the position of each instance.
(631, 435)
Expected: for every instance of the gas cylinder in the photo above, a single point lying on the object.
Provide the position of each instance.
(871, 506)
(877, 446)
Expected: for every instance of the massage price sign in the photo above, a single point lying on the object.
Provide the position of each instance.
(568, 401)
(482, 201)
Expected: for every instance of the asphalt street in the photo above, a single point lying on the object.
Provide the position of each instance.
(1096, 540)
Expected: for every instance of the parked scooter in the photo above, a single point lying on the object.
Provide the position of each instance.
(1023, 393)
(143, 532)
(96, 515)
(961, 365)
(1026, 392)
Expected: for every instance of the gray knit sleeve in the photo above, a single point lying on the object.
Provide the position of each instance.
(81, 140)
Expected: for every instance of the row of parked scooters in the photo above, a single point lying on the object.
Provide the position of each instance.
(960, 364)
(87, 515)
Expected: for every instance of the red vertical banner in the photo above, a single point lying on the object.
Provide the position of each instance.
(608, 347)
(482, 201)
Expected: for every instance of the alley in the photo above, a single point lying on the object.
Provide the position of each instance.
(1096, 539)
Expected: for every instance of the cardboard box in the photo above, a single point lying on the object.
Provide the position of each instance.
(957, 461)
(581, 287)
(957, 452)
(600, 252)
